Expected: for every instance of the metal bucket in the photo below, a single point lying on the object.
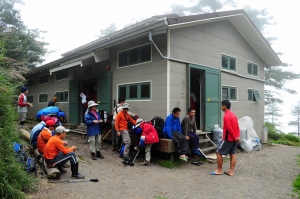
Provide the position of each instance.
(264, 134)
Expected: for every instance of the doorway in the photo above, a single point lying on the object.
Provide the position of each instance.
(89, 88)
(197, 95)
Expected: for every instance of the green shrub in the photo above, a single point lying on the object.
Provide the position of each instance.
(14, 181)
(274, 136)
(291, 138)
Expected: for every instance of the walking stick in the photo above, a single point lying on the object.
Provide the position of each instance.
(106, 135)
(79, 180)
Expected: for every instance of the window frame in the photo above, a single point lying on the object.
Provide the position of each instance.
(138, 84)
(228, 92)
(228, 62)
(58, 100)
(29, 85)
(127, 52)
(61, 71)
(252, 69)
(39, 98)
(255, 94)
(30, 96)
(43, 76)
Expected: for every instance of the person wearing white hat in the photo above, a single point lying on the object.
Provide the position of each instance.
(92, 120)
(122, 126)
(149, 136)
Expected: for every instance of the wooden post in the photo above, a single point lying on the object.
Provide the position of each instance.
(52, 173)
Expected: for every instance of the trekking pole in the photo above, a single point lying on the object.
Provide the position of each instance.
(79, 180)
(106, 135)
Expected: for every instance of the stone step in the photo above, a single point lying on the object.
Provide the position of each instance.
(208, 148)
(203, 140)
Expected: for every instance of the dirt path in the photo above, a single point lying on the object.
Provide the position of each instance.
(268, 173)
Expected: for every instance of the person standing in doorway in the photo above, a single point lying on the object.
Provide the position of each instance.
(92, 120)
(230, 139)
(189, 129)
(22, 106)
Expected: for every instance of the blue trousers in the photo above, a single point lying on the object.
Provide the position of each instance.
(194, 140)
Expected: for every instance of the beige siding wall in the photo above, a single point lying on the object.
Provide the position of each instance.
(153, 71)
(203, 45)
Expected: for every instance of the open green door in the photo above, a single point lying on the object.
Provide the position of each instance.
(73, 102)
(104, 91)
(212, 98)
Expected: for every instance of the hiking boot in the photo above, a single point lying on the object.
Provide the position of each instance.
(127, 158)
(113, 148)
(61, 170)
(145, 163)
(99, 155)
(75, 174)
(93, 156)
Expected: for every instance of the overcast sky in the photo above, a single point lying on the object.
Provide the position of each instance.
(72, 23)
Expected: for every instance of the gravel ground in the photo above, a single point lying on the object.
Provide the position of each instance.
(268, 173)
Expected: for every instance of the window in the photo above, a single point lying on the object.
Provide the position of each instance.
(43, 98)
(229, 93)
(228, 62)
(62, 96)
(138, 91)
(29, 83)
(61, 75)
(43, 79)
(253, 95)
(135, 56)
(252, 69)
(29, 98)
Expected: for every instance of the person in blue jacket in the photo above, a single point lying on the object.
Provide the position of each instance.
(172, 130)
(92, 120)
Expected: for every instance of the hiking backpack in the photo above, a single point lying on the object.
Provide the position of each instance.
(158, 124)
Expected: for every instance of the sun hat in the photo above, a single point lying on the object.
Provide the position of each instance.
(138, 122)
(92, 103)
(125, 106)
(61, 129)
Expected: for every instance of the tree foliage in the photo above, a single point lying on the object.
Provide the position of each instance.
(22, 45)
(273, 111)
(296, 113)
(108, 30)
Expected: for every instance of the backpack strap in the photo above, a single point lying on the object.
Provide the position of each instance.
(116, 109)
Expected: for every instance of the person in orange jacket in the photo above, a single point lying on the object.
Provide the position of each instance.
(45, 135)
(121, 126)
(56, 153)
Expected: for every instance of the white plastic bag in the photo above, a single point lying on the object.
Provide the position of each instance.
(256, 144)
(246, 145)
(217, 134)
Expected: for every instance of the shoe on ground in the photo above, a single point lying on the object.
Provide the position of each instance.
(99, 155)
(93, 156)
(145, 163)
(136, 148)
(113, 148)
(183, 158)
(127, 158)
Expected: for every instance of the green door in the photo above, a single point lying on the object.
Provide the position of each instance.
(104, 91)
(211, 95)
(212, 98)
(73, 102)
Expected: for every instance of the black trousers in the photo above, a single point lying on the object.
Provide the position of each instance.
(180, 141)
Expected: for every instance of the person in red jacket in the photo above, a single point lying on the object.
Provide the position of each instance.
(45, 135)
(22, 106)
(231, 136)
(149, 136)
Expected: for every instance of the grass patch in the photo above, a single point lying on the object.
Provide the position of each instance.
(296, 183)
(160, 197)
(168, 164)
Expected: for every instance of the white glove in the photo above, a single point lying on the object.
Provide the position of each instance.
(142, 137)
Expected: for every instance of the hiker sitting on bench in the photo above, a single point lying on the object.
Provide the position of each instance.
(45, 135)
(189, 128)
(36, 130)
(56, 153)
(149, 136)
(172, 130)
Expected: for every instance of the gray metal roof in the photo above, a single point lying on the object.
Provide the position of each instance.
(239, 18)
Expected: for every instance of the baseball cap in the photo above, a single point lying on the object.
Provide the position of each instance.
(61, 129)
